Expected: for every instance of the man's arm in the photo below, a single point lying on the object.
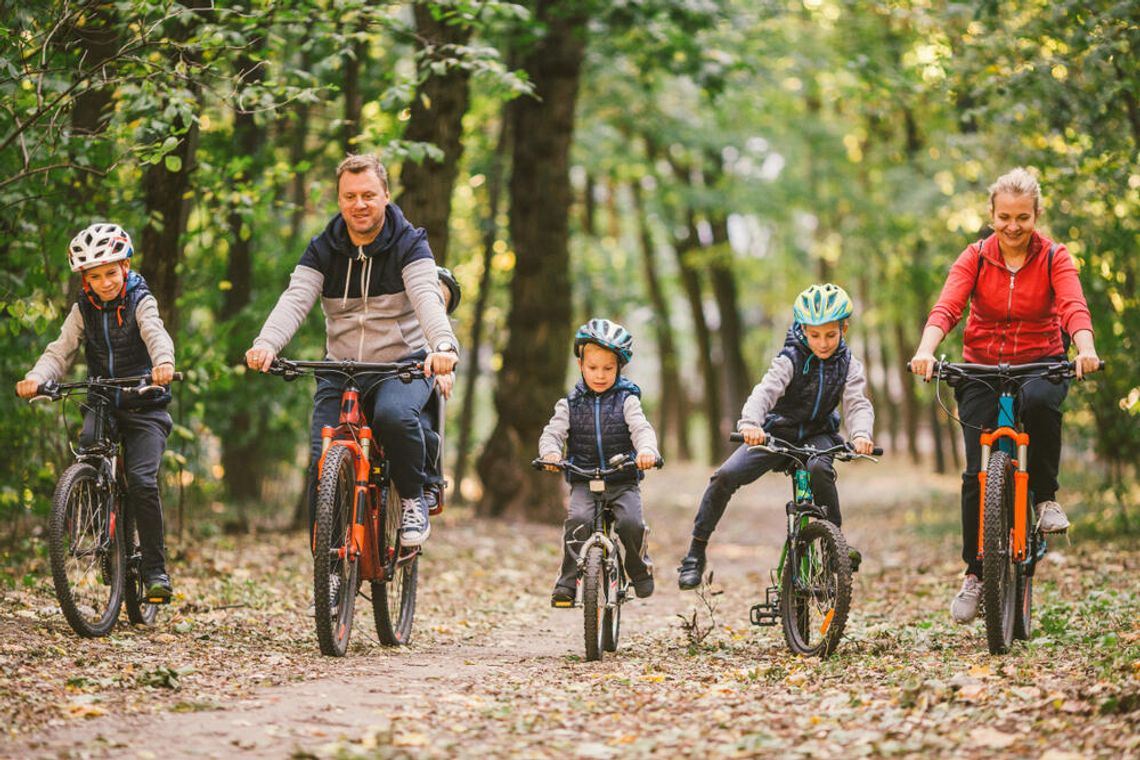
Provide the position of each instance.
(292, 307)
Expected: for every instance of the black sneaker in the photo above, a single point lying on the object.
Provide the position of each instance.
(691, 571)
(563, 596)
(158, 590)
(644, 587)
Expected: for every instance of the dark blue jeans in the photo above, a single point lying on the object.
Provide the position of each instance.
(1038, 405)
(744, 466)
(143, 434)
(394, 409)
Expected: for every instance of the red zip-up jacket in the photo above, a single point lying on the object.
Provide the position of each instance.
(1015, 317)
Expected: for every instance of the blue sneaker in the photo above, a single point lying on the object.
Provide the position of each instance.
(415, 527)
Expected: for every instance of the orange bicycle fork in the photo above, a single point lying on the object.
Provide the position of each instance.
(1019, 533)
(360, 444)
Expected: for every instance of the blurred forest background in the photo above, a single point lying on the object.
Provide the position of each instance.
(682, 166)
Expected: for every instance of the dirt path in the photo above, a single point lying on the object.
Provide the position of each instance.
(494, 671)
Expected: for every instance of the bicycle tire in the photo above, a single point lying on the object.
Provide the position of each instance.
(816, 590)
(1023, 617)
(999, 597)
(336, 575)
(611, 618)
(394, 598)
(139, 611)
(593, 602)
(87, 570)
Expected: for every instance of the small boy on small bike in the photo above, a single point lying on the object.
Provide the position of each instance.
(115, 319)
(796, 401)
(600, 418)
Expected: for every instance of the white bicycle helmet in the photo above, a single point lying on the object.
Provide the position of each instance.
(101, 243)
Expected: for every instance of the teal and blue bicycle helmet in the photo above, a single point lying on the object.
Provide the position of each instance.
(821, 304)
(608, 335)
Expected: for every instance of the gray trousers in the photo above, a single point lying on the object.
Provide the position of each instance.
(625, 501)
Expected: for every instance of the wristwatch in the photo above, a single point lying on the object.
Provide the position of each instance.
(445, 346)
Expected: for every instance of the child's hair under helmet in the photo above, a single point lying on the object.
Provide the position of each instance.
(608, 335)
(101, 243)
(821, 304)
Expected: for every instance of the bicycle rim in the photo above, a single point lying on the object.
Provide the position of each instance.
(999, 593)
(593, 602)
(335, 573)
(815, 597)
(86, 559)
(139, 611)
(394, 599)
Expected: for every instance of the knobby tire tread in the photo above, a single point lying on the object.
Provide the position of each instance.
(998, 582)
(798, 624)
(333, 632)
(593, 599)
(394, 600)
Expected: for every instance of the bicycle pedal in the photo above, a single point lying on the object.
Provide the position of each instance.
(562, 605)
(764, 614)
(158, 599)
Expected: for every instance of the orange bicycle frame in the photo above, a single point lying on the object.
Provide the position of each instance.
(1019, 533)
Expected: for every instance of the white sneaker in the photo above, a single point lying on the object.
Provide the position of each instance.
(414, 528)
(964, 608)
(1051, 518)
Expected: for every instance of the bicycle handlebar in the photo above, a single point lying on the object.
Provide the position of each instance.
(842, 451)
(598, 472)
(1064, 370)
(136, 384)
(290, 369)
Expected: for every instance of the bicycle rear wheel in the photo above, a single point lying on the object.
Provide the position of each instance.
(816, 590)
(336, 574)
(87, 560)
(593, 602)
(394, 598)
(139, 610)
(999, 592)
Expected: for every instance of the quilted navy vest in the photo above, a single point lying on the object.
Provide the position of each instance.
(598, 430)
(810, 403)
(113, 343)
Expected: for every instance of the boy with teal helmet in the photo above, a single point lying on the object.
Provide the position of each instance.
(798, 400)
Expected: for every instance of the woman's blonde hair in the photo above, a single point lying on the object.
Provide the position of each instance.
(1017, 182)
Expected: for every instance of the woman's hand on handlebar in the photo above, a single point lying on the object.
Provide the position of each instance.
(753, 436)
(259, 359)
(863, 445)
(922, 364)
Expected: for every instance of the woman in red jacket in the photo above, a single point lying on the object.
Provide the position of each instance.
(1022, 289)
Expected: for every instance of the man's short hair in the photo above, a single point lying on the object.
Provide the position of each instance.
(364, 162)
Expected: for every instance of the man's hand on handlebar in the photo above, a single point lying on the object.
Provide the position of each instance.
(753, 436)
(259, 359)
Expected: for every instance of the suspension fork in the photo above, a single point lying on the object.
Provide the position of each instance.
(1006, 437)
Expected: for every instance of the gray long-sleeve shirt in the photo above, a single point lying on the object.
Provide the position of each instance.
(858, 414)
(60, 354)
(554, 435)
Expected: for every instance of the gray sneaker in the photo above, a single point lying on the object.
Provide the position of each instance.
(1051, 518)
(964, 608)
(414, 527)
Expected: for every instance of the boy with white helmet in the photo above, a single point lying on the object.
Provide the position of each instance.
(602, 417)
(797, 401)
(116, 321)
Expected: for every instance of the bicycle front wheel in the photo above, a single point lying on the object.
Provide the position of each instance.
(336, 573)
(139, 610)
(394, 598)
(999, 592)
(87, 560)
(816, 590)
(611, 618)
(593, 601)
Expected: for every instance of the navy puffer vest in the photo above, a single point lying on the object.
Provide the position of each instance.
(598, 430)
(113, 343)
(810, 403)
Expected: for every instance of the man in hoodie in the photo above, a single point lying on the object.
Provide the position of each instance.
(376, 278)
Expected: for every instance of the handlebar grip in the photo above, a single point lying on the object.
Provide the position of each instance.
(177, 376)
(877, 451)
(736, 437)
(659, 463)
(538, 463)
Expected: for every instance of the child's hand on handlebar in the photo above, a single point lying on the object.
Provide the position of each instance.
(551, 458)
(863, 445)
(753, 436)
(162, 374)
(27, 388)
(646, 460)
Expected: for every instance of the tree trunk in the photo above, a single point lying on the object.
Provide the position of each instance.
(437, 117)
(534, 362)
(490, 234)
(910, 399)
(723, 278)
(353, 101)
(671, 420)
(691, 281)
(99, 39)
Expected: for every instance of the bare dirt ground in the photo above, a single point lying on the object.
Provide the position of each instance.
(232, 669)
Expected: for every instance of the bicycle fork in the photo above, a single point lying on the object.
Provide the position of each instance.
(1006, 437)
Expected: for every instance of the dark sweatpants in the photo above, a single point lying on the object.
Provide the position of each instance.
(625, 500)
(143, 434)
(1038, 405)
(745, 465)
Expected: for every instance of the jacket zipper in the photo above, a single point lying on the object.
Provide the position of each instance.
(1008, 315)
(598, 430)
(110, 354)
